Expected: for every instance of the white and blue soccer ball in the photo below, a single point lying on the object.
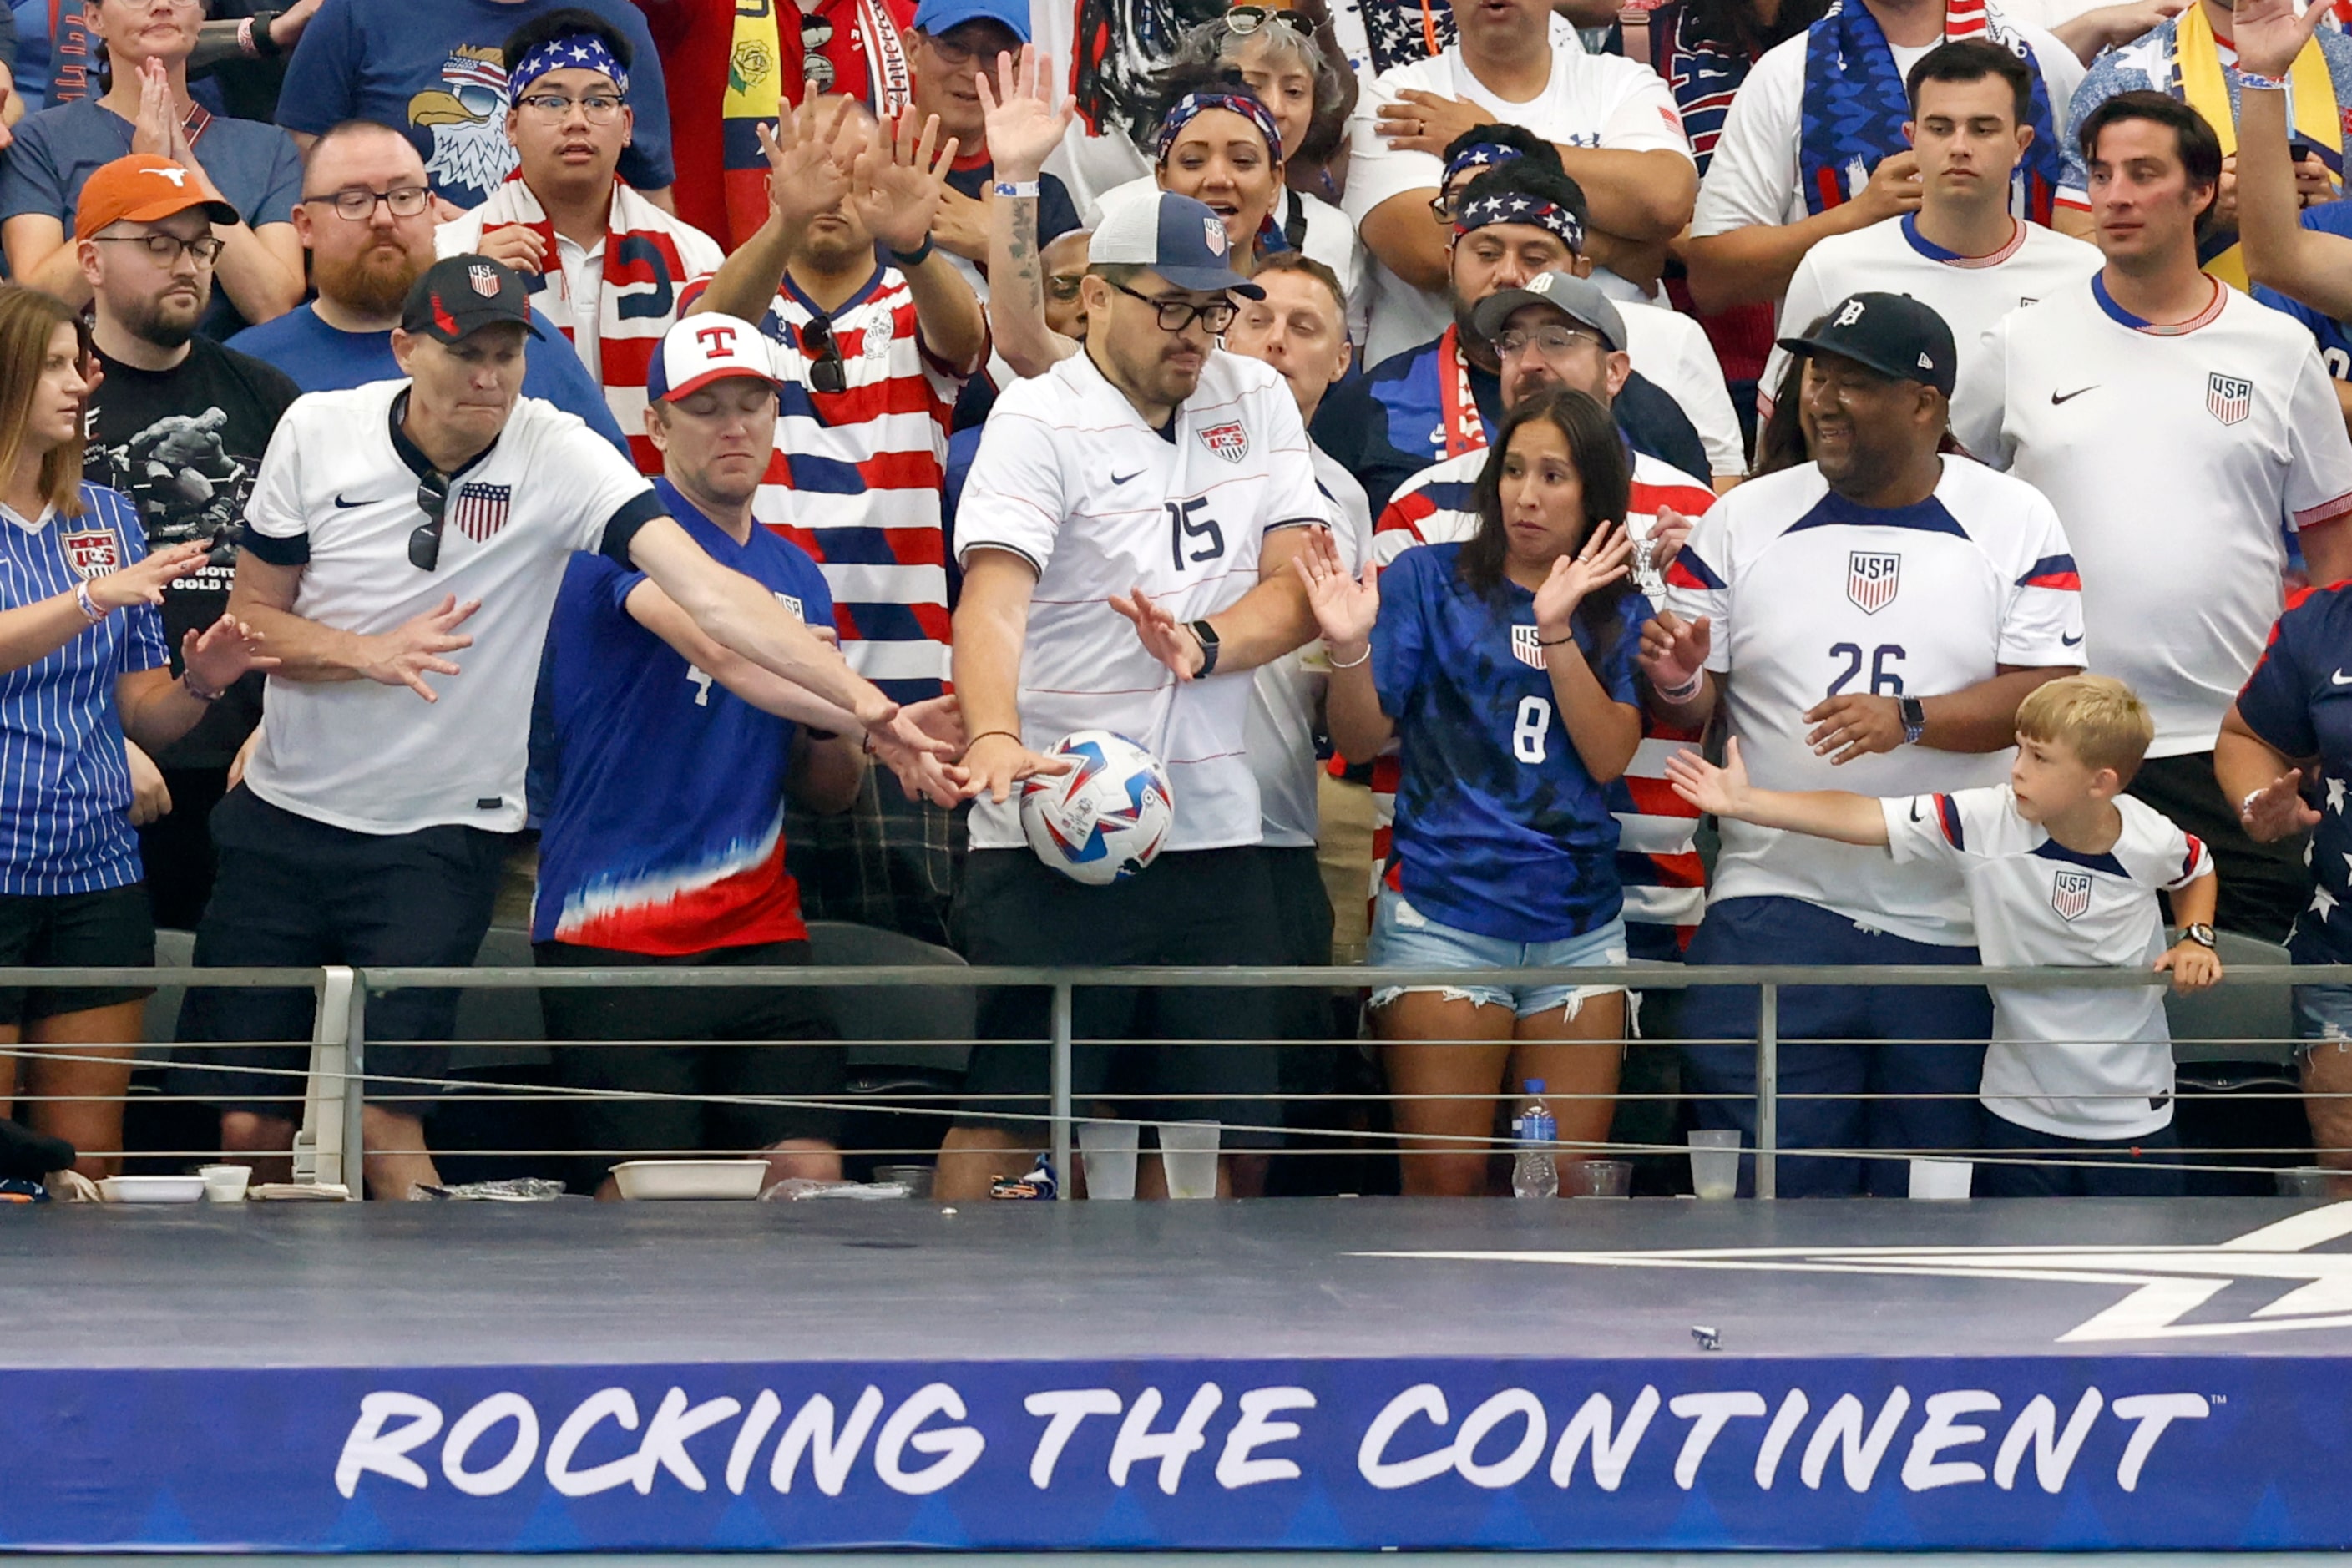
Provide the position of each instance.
(1107, 817)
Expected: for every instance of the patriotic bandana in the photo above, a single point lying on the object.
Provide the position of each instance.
(581, 51)
(1503, 206)
(1480, 155)
(1854, 107)
(1189, 107)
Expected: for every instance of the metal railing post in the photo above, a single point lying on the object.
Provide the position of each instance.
(355, 1091)
(1768, 1092)
(1061, 1083)
(319, 1153)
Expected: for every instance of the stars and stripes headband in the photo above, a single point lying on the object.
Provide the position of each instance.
(1505, 206)
(581, 51)
(1190, 107)
(1481, 155)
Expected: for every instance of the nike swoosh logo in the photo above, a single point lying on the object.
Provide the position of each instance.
(343, 505)
(1122, 479)
(2075, 641)
(2058, 397)
(1914, 811)
(2339, 678)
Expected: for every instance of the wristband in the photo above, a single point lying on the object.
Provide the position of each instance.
(2246, 806)
(244, 39)
(1018, 190)
(1556, 642)
(1352, 663)
(915, 257)
(201, 694)
(88, 607)
(2248, 81)
(984, 734)
(264, 46)
(1685, 691)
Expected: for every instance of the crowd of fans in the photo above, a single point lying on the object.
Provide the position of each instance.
(439, 437)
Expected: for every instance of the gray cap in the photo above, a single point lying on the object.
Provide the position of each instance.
(1579, 299)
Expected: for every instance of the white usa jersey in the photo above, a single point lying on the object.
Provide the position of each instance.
(1070, 478)
(1287, 692)
(1813, 597)
(2175, 456)
(1970, 292)
(2076, 1063)
(336, 496)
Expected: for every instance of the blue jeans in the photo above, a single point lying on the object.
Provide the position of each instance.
(1404, 937)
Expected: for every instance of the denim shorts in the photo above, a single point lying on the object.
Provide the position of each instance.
(2322, 1018)
(1404, 937)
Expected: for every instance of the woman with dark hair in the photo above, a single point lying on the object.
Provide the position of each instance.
(1779, 433)
(1502, 666)
(83, 663)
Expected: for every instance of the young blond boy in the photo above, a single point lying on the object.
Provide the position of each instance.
(2062, 870)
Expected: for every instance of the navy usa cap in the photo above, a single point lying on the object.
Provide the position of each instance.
(1892, 334)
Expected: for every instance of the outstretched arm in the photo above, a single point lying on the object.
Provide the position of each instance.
(2314, 268)
(1822, 813)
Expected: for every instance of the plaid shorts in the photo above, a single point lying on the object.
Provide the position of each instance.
(888, 862)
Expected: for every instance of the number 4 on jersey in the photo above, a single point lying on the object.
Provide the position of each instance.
(701, 678)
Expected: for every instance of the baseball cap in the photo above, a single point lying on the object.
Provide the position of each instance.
(1892, 334)
(140, 188)
(1579, 299)
(1176, 237)
(460, 293)
(937, 17)
(702, 349)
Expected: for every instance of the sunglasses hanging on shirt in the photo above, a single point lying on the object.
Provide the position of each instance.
(828, 372)
(424, 543)
(815, 69)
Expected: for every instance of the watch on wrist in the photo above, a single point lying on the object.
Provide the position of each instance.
(1914, 715)
(264, 45)
(1208, 636)
(2201, 934)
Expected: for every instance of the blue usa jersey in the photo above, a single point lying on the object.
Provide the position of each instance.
(1499, 829)
(666, 831)
(2299, 700)
(64, 784)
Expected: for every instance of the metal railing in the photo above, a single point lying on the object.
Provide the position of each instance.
(336, 1085)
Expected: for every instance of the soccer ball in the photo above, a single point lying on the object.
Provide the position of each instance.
(1107, 817)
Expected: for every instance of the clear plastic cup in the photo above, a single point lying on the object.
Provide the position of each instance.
(2304, 1182)
(1109, 1150)
(1941, 1180)
(1715, 1162)
(224, 1184)
(1188, 1155)
(1596, 1178)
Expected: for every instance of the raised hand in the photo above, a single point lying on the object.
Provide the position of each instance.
(1668, 533)
(1346, 608)
(1606, 556)
(896, 181)
(1673, 650)
(1722, 792)
(1024, 125)
(412, 650)
(217, 656)
(2269, 34)
(2278, 810)
(143, 582)
(1164, 638)
(809, 153)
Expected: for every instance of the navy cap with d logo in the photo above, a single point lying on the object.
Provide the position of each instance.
(459, 294)
(1892, 334)
(1176, 237)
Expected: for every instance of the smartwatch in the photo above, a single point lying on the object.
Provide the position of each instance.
(2201, 934)
(1914, 715)
(1208, 636)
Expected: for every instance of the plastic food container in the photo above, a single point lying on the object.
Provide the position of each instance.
(151, 1189)
(670, 1180)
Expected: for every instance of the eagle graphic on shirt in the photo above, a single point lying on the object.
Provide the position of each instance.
(466, 115)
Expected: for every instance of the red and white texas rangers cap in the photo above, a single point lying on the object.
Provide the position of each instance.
(702, 349)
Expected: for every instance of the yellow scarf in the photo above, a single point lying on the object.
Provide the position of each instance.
(2200, 78)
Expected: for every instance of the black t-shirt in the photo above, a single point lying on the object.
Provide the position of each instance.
(185, 445)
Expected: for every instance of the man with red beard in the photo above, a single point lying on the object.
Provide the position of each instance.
(366, 217)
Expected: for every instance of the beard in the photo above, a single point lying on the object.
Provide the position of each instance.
(169, 322)
(375, 282)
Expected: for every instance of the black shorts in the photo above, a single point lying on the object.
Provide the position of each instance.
(2147, 1166)
(296, 892)
(2264, 886)
(1202, 907)
(632, 1127)
(110, 928)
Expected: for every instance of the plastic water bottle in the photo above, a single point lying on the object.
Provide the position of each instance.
(1534, 1173)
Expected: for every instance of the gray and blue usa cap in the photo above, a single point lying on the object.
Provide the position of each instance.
(1176, 237)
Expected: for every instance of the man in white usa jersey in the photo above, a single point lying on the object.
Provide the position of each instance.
(1156, 477)
(2180, 429)
(1870, 620)
(1963, 253)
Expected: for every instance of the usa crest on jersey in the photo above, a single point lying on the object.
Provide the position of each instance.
(93, 552)
(2069, 894)
(2229, 398)
(1228, 440)
(478, 510)
(1527, 646)
(1871, 577)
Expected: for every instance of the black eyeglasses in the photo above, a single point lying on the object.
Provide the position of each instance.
(829, 374)
(424, 543)
(356, 204)
(166, 247)
(1175, 315)
(1244, 20)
